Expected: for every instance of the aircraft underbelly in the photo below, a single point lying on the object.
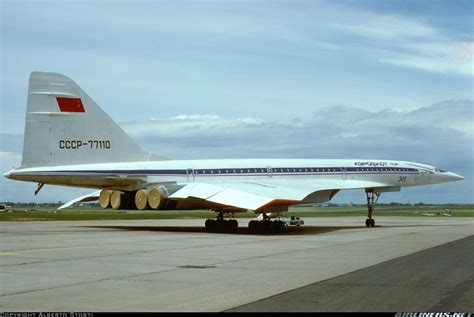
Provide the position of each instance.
(83, 181)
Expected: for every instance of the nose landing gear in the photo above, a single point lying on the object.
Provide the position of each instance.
(372, 197)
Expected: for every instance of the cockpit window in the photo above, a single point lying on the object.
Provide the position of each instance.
(442, 171)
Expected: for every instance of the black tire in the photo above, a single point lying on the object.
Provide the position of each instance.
(210, 225)
(221, 226)
(282, 225)
(271, 226)
(278, 225)
(372, 222)
(252, 226)
(367, 223)
(227, 226)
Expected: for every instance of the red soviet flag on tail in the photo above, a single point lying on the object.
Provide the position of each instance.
(70, 104)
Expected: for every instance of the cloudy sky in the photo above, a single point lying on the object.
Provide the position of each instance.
(256, 79)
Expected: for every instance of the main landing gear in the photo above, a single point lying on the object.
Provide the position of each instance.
(262, 224)
(372, 197)
(221, 225)
(266, 225)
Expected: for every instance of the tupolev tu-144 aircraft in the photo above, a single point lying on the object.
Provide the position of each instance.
(69, 140)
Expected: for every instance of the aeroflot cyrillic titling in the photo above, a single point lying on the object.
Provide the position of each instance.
(370, 164)
(89, 144)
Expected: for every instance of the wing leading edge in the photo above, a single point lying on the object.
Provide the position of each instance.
(263, 196)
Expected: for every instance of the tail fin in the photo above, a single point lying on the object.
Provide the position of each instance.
(65, 126)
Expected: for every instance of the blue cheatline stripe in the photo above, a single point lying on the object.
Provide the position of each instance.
(253, 170)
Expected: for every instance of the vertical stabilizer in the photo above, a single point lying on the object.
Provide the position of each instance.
(65, 126)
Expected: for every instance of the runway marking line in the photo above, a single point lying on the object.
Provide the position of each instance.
(7, 253)
(13, 253)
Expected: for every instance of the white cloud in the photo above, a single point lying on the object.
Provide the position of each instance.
(390, 38)
(429, 134)
(406, 42)
(195, 117)
(188, 126)
(384, 26)
(439, 57)
(464, 50)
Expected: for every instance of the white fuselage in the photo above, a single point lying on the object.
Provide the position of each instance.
(278, 171)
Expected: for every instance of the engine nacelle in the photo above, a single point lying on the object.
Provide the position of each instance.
(154, 198)
(157, 197)
(141, 199)
(122, 200)
(104, 198)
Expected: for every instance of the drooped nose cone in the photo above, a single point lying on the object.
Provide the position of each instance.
(7, 174)
(455, 177)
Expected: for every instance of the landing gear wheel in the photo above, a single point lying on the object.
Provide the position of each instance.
(221, 225)
(280, 226)
(253, 225)
(370, 223)
(270, 226)
(209, 224)
(266, 226)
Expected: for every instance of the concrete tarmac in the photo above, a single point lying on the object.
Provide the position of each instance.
(439, 279)
(173, 265)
